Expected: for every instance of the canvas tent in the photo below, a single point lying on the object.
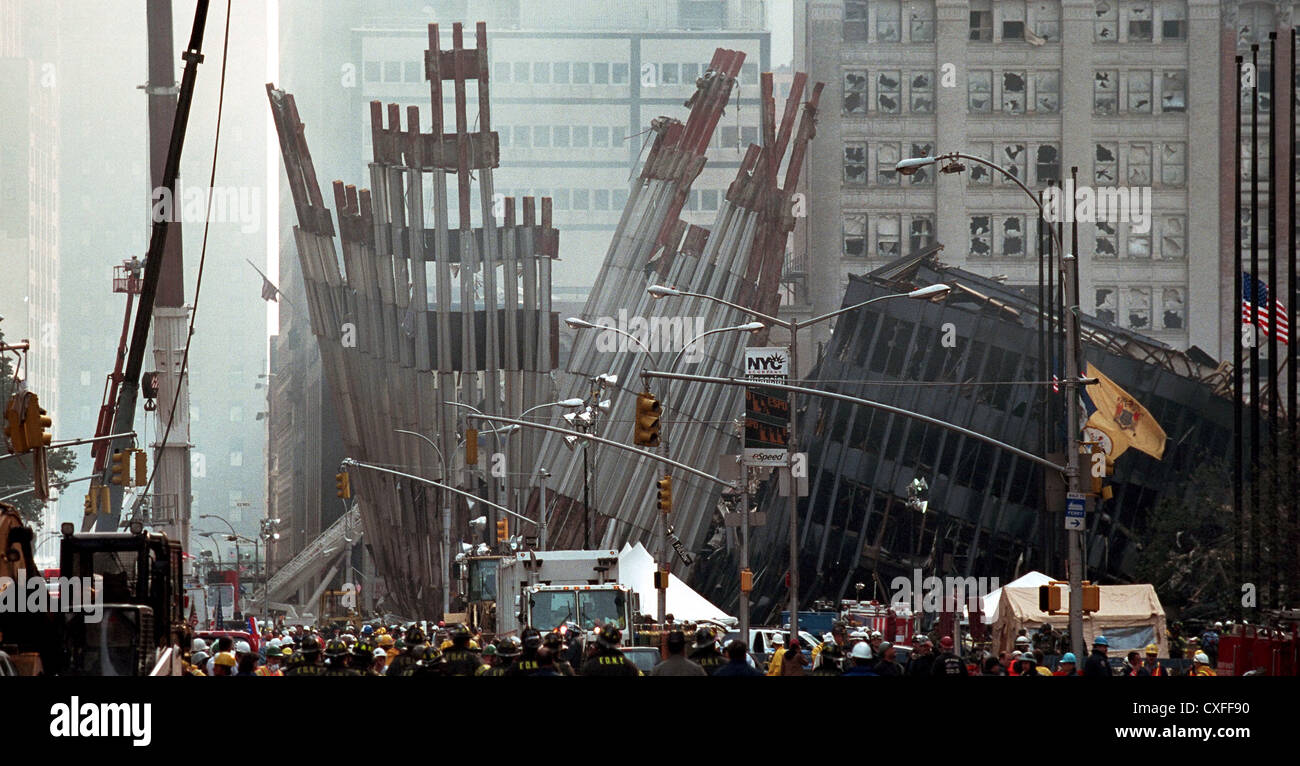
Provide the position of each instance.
(636, 569)
(1131, 617)
(989, 603)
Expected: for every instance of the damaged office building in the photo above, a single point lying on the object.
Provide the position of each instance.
(889, 494)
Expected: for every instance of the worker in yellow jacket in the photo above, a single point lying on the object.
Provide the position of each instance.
(774, 664)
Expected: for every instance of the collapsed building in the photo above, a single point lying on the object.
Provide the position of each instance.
(978, 359)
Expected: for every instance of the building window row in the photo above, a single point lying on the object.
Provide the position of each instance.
(562, 72)
(1008, 21)
(883, 235)
(1139, 91)
(589, 199)
(889, 92)
(1014, 91)
(1165, 239)
(1033, 164)
(1140, 163)
(1139, 21)
(1144, 307)
(994, 235)
(888, 21)
(561, 136)
(875, 164)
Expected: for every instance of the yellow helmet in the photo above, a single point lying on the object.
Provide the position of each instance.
(1152, 649)
(385, 640)
(224, 658)
(445, 645)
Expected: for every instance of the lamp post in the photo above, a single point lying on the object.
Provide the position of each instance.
(268, 535)
(792, 326)
(1070, 318)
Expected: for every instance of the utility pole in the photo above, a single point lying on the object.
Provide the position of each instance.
(1069, 280)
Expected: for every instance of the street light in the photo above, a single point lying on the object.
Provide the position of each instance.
(792, 326)
(1069, 277)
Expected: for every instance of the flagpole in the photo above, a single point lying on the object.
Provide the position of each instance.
(1274, 400)
(1254, 313)
(1291, 309)
(1237, 327)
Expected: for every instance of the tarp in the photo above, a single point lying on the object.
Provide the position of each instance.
(1130, 618)
(989, 604)
(636, 568)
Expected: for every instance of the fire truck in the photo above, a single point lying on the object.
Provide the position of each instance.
(896, 622)
(1258, 650)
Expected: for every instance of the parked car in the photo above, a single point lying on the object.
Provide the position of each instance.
(645, 657)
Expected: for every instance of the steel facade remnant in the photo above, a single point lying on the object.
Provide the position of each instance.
(402, 321)
(738, 259)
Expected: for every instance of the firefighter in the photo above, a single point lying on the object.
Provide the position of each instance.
(829, 660)
(337, 657)
(1028, 665)
(608, 659)
(863, 663)
(921, 661)
(1201, 665)
(306, 661)
(507, 649)
(527, 664)
(1177, 643)
(362, 655)
(408, 660)
(1150, 666)
(947, 663)
(460, 660)
(554, 644)
(705, 652)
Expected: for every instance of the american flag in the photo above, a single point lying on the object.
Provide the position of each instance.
(1257, 290)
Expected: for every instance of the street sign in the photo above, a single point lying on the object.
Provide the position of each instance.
(1074, 511)
(767, 412)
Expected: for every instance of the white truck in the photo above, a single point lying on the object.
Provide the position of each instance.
(553, 589)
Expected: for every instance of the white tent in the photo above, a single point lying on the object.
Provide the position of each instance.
(636, 568)
(989, 604)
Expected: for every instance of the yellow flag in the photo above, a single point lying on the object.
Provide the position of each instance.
(1119, 416)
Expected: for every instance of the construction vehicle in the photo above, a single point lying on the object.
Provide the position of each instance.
(337, 608)
(566, 590)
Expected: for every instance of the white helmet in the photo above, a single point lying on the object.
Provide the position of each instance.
(876, 634)
(1218, 625)
(1202, 658)
(862, 651)
(778, 640)
(274, 644)
(199, 645)
(828, 637)
(1022, 640)
(858, 635)
(242, 647)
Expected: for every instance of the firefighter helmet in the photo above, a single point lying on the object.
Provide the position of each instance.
(415, 635)
(609, 636)
(336, 648)
(703, 637)
(862, 651)
(509, 646)
(310, 645)
(532, 638)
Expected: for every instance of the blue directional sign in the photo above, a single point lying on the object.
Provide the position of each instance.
(1074, 510)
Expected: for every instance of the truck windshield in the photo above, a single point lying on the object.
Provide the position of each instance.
(483, 580)
(602, 607)
(550, 609)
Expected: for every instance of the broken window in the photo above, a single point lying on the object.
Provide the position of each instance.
(921, 233)
(1172, 308)
(980, 90)
(887, 236)
(1139, 245)
(1139, 22)
(1105, 304)
(855, 91)
(1173, 91)
(981, 21)
(1139, 307)
(889, 92)
(1265, 88)
(922, 93)
(1104, 91)
(1013, 21)
(855, 21)
(922, 176)
(1047, 164)
(1047, 91)
(1013, 237)
(886, 162)
(1012, 159)
(922, 22)
(855, 162)
(980, 230)
(1173, 238)
(888, 21)
(1106, 240)
(1139, 91)
(1105, 165)
(855, 235)
(980, 174)
(1105, 27)
(1173, 163)
(1173, 20)
(1046, 21)
(1139, 164)
(1013, 92)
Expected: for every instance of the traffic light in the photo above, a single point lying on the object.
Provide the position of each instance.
(503, 530)
(120, 471)
(746, 580)
(37, 424)
(141, 467)
(645, 432)
(90, 503)
(471, 446)
(343, 485)
(13, 427)
(1091, 597)
(665, 494)
(1049, 599)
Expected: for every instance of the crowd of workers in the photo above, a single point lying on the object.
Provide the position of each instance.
(457, 651)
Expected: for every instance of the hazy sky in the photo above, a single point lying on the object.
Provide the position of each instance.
(781, 20)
